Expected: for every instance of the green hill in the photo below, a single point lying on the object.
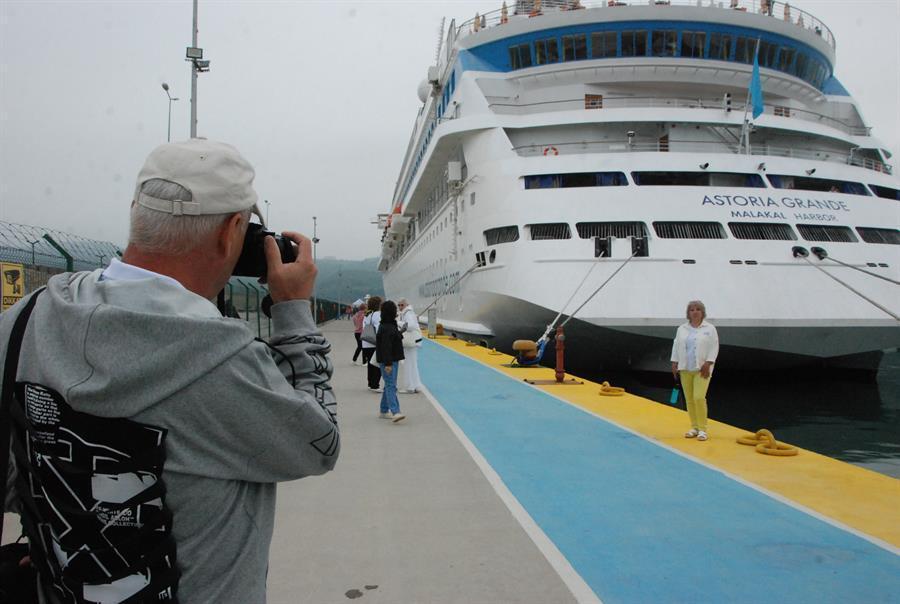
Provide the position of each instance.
(348, 280)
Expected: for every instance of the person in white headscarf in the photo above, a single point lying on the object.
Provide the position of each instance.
(409, 381)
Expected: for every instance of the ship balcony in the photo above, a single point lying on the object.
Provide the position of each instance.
(531, 9)
(599, 103)
(675, 146)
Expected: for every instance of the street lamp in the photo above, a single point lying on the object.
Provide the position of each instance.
(266, 201)
(315, 240)
(171, 98)
(32, 250)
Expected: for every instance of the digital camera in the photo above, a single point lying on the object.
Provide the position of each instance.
(252, 261)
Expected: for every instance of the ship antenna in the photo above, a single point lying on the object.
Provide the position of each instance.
(440, 44)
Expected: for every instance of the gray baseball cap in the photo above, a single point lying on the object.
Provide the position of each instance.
(217, 175)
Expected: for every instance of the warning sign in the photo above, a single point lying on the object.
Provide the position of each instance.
(13, 276)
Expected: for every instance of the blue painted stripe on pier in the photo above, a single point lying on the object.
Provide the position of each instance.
(640, 523)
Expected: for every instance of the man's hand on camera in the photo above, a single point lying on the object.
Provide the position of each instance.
(294, 280)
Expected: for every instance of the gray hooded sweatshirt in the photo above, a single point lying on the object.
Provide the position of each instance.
(153, 352)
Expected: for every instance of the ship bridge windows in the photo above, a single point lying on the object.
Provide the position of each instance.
(786, 60)
(604, 44)
(689, 230)
(546, 51)
(886, 192)
(744, 49)
(550, 230)
(772, 231)
(664, 42)
(831, 233)
(809, 183)
(501, 235)
(575, 179)
(878, 235)
(667, 39)
(720, 46)
(574, 47)
(693, 44)
(520, 56)
(619, 230)
(698, 179)
(767, 53)
(634, 43)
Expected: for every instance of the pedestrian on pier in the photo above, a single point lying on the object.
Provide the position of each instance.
(370, 326)
(410, 382)
(389, 355)
(359, 316)
(694, 353)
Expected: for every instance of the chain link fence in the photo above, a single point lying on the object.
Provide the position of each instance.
(30, 255)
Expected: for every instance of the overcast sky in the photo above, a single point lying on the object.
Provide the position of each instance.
(319, 96)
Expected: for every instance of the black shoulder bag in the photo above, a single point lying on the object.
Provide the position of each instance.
(18, 583)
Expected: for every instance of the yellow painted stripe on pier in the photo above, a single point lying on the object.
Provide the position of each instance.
(861, 499)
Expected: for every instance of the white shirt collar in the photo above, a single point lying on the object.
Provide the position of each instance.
(122, 271)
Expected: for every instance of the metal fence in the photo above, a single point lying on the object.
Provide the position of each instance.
(30, 255)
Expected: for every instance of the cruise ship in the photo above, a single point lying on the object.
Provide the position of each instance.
(606, 162)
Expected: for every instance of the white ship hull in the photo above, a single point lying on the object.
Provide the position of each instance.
(772, 307)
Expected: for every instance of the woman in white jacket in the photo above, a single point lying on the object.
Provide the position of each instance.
(694, 353)
(412, 338)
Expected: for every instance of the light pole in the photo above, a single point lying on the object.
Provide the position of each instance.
(32, 250)
(171, 98)
(315, 240)
(266, 201)
(194, 55)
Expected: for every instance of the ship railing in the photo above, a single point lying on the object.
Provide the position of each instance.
(595, 102)
(530, 9)
(675, 146)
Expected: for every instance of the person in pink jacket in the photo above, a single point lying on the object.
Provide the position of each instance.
(358, 316)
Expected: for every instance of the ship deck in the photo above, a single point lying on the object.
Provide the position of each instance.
(493, 490)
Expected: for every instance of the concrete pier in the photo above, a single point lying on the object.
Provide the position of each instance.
(406, 510)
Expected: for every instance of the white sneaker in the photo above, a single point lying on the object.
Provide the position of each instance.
(398, 417)
(387, 415)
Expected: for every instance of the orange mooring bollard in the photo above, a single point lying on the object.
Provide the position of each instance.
(560, 354)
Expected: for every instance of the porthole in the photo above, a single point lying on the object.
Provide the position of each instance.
(493, 256)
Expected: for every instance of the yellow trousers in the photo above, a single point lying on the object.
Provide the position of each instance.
(695, 386)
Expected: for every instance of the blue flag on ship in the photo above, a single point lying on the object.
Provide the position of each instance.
(756, 95)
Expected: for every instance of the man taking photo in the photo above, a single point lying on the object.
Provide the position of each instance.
(149, 431)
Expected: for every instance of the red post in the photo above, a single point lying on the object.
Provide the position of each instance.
(560, 354)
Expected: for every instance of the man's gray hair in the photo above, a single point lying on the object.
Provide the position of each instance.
(161, 232)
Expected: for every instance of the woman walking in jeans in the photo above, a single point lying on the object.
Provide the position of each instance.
(389, 353)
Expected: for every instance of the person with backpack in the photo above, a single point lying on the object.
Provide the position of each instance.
(369, 333)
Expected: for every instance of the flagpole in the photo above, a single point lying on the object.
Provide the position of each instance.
(745, 127)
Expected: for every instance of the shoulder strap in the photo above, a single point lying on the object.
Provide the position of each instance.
(10, 369)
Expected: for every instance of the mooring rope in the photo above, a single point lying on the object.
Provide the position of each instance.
(860, 294)
(602, 285)
(862, 270)
(572, 297)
